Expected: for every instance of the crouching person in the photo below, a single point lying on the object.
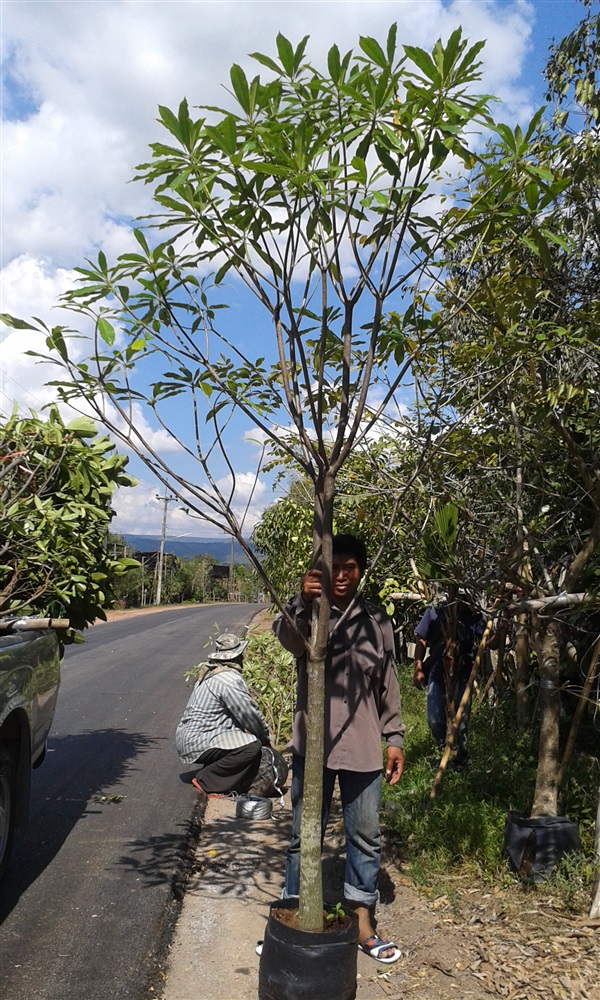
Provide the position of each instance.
(222, 729)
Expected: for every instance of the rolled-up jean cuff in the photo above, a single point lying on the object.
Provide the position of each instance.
(288, 895)
(355, 895)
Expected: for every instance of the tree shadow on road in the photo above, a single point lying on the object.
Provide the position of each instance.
(240, 859)
(78, 773)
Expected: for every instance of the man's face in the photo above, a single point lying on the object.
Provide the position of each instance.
(345, 579)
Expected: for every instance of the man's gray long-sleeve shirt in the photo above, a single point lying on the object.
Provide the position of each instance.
(220, 713)
(362, 696)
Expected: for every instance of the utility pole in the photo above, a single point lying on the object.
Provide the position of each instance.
(231, 573)
(161, 554)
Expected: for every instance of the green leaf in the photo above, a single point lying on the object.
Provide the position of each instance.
(228, 132)
(286, 54)
(391, 42)
(423, 60)
(361, 168)
(240, 87)
(106, 331)
(334, 64)
(534, 123)
(299, 53)
(266, 61)
(15, 323)
(451, 51)
(169, 120)
(141, 240)
(185, 124)
(56, 342)
(532, 192)
(83, 427)
(557, 239)
(506, 134)
(373, 50)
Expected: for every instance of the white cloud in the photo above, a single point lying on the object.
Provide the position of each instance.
(249, 497)
(96, 73)
(29, 286)
(138, 434)
(139, 509)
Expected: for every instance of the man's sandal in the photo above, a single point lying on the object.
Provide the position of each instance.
(374, 946)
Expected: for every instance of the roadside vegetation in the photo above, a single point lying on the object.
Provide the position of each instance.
(460, 834)
(456, 840)
(56, 486)
(184, 581)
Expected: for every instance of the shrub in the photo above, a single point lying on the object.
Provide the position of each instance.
(269, 671)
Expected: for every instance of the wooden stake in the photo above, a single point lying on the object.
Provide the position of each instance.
(459, 712)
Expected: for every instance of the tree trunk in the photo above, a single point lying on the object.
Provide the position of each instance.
(581, 704)
(310, 913)
(545, 799)
(522, 670)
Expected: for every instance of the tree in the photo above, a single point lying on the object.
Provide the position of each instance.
(530, 334)
(378, 496)
(56, 486)
(316, 193)
(572, 71)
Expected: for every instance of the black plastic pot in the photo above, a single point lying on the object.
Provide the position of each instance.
(302, 965)
(534, 846)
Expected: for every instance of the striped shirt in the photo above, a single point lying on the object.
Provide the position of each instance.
(220, 713)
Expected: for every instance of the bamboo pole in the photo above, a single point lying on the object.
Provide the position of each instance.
(460, 712)
(497, 671)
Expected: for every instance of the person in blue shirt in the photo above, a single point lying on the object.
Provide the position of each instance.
(437, 673)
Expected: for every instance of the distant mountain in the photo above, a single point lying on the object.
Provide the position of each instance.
(216, 548)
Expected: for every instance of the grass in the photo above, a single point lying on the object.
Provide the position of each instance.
(462, 831)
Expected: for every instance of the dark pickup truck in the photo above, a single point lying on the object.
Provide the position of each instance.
(29, 682)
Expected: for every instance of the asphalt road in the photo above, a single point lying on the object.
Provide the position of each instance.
(90, 896)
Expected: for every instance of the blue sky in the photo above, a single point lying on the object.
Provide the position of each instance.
(80, 85)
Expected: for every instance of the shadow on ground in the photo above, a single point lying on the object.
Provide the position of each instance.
(244, 859)
(76, 773)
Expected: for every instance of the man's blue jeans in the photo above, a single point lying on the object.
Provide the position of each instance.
(361, 796)
(436, 711)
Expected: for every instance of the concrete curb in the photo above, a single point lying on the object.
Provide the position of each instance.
(238, 872)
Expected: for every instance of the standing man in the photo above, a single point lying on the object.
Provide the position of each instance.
(446, 681)
(362, 708)
(222, 729)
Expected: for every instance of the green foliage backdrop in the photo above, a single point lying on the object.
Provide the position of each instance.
(56, 487)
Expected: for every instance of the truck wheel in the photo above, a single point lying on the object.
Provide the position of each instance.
(7, 806)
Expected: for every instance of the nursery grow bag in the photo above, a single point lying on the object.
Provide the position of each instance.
(304, 965)
(534, 846)
(272, 774)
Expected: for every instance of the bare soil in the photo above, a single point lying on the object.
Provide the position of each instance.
(483, 941)
(289, 917)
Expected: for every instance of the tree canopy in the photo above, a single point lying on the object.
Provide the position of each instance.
(56, 485)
